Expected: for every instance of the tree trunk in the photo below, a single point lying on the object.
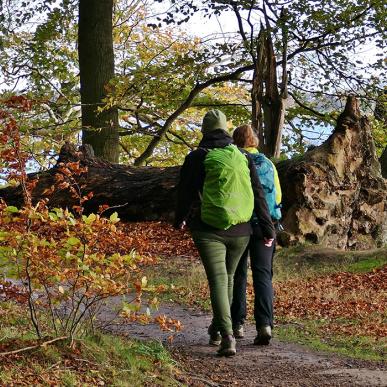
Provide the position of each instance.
(334, 195)
(96, 66)
(383, 163)
(137, 193)
(268, 104)
(381, 115)
(257, 93)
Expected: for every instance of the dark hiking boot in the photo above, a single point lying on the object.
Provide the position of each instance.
(227, 346)
(238, 331)
(215, 337)
(263, 336)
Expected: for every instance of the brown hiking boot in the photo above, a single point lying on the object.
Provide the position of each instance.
(227, 346)
(263, 335)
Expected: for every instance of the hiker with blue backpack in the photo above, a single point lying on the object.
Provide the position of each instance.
(218, 192)
(261, 255)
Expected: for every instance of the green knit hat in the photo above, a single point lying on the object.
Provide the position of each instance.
(214, 119)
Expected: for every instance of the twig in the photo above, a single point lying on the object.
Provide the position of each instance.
(87, 361)
(205, 381)
(53, 365)
(34, 346)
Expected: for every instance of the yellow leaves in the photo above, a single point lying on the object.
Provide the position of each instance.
(48, 191)
(4, 235)
(154, 303)
(73, 241)
(89, 219)
(114, 217)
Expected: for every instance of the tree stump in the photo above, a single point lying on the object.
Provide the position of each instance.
(334, 195)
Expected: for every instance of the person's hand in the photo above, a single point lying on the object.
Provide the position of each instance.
(268, 242)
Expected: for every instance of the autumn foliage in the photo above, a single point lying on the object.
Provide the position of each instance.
(66, 263)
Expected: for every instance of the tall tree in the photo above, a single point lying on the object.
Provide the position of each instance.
(96, 65)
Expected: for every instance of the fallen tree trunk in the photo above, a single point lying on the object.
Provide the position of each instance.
(333, 195)
(136, 193)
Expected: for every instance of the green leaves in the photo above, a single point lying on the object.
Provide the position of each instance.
(73, 241)
(12, 209)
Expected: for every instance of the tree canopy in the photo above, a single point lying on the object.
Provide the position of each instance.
(167, 74)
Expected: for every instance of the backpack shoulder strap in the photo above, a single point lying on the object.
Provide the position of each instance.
(258, 158)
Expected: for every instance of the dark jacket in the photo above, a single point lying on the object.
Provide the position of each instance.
(191, 183)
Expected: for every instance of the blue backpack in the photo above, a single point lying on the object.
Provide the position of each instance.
(265, 171)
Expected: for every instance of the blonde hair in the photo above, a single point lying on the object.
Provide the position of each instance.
(245, 137)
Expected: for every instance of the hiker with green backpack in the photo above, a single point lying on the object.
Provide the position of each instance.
(261, 255)
(218, 192)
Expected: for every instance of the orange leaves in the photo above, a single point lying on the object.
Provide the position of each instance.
(19, 102)
(168, 324)
(357, 298)
(160, 239)
(13, 158)
(10, 291)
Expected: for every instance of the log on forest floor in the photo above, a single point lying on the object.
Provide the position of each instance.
(333, 195)
(136, 193)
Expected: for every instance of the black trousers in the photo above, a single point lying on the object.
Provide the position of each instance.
(261, 258)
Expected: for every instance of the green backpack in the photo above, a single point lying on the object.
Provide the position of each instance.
(228, 197)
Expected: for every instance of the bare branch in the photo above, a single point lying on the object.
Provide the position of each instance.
(315, 112)
(45, 343)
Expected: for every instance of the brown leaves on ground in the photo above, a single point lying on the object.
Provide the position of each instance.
(358, 300)
(160, 239)
(10, 291)
(34, 369)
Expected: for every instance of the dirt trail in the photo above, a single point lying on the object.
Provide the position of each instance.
(280, 364)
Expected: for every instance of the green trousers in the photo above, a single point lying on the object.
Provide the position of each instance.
(220, 256)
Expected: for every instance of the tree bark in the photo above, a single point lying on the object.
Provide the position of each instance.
(383, 163)
(136, 193)
(334, 195)
(268, 103)
(96, 66)
(257, 93)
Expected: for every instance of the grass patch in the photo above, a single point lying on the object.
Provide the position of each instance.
(181, 281)
(304, 261)
(100, 359)
(315, 334)
(367, 264)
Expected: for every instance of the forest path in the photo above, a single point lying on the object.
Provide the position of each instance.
(279, 364)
